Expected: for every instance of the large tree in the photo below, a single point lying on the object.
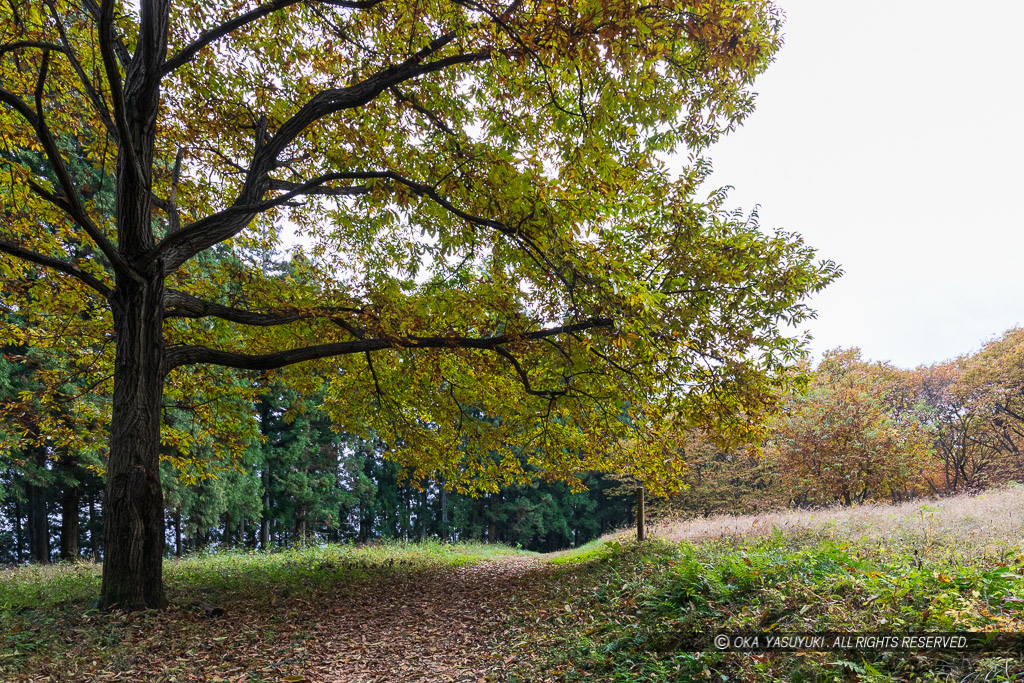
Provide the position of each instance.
(487, 220)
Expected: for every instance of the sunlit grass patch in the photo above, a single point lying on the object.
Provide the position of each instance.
(42, 586)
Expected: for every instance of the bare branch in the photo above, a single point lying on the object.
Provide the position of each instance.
(56, 264)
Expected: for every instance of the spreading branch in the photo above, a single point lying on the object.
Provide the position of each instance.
(98, 103)
(109, 42)
(28, 45)
(318, 185)
(190, 240)
(194, 355)
(181, 305)
(227, 28)
(71, 202)
(120, 50)
(56, 264)
(525, 379)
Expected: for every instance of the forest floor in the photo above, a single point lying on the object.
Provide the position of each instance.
(612, 610)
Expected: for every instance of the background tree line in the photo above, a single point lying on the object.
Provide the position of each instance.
(861, 431)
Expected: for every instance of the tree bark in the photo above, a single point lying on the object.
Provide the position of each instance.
(69, 525)
(133, 514)
(94, 533)
(177, 533)
(38, 525)
(444, 512)
(265, 521)
(18, 541)
(424, 515)
(641, 522)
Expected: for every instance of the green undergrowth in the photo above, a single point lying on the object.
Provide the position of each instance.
(49, 611)
(647, 611)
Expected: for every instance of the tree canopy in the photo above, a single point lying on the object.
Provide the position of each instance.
(496, 270)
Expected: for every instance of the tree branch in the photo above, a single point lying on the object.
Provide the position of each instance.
(504, 353)
(192, 355)
(416, 106)
(184, 244)
(71, 203)
(120, 50)
(97, 101)
(19, 105)
(314, 189)
(207, 37)
(214, 229)
(108, 40)
(314, 186)
(181, 305)
(29, 44)
(173, 217)
(56, 264)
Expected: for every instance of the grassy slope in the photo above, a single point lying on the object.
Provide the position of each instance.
(621, 611)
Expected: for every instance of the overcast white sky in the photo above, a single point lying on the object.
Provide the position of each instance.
(890, 134)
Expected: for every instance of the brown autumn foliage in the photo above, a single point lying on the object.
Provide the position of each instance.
(863, 431)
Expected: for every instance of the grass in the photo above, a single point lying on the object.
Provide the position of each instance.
(633, 612)
(229, 575)
(985, 521)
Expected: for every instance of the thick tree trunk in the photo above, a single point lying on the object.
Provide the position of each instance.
(134, 509)
(133, 515)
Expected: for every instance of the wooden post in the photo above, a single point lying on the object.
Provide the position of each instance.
(641, 525)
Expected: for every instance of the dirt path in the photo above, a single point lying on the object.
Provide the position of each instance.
(434, 627)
